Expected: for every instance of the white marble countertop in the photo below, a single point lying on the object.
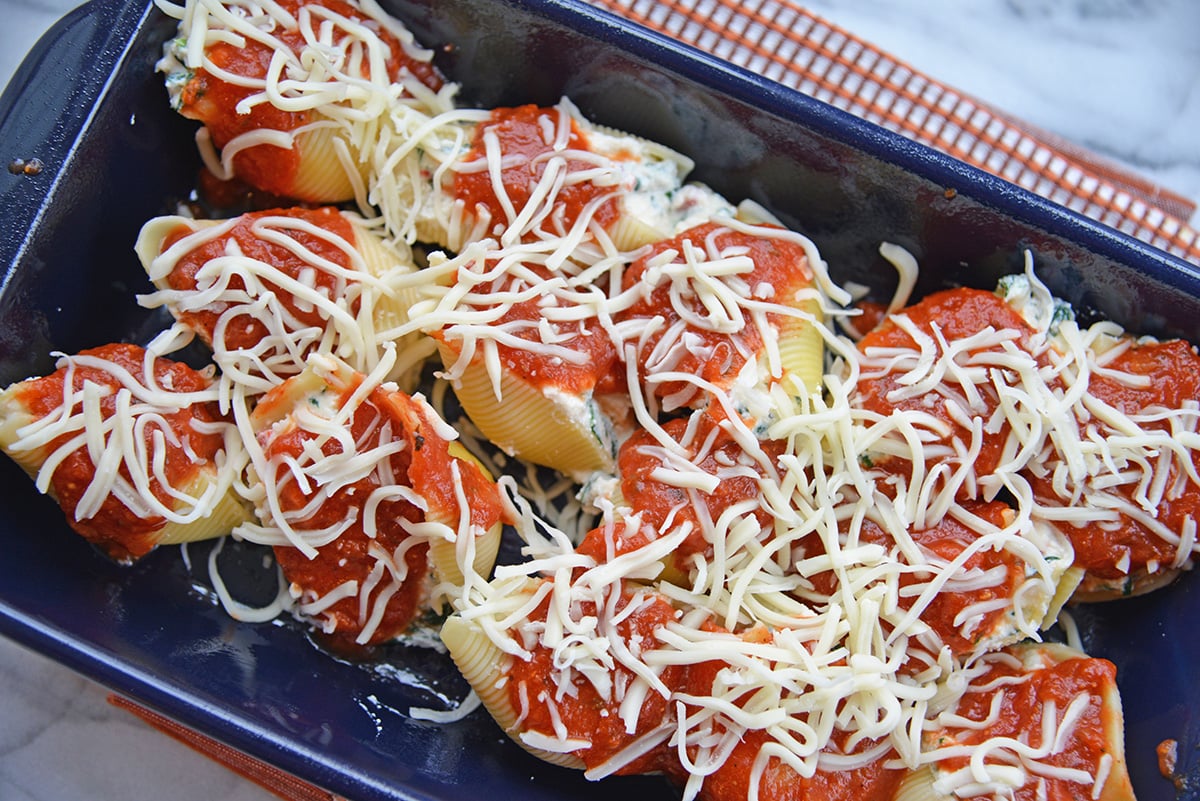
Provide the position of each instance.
(1121, 77)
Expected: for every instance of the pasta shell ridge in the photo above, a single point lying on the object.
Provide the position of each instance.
(527, 423)
(482, 664)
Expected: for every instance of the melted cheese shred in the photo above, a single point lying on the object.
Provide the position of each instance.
(858, 665)
(347, 310)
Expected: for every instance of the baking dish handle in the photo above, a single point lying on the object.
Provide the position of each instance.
(47, 104)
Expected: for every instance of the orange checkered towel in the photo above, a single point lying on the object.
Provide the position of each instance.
(786, 43)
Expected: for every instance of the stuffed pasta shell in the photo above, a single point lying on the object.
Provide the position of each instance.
(605, 711)
(939, 425)
(266, 289)
(1036, 721)
(546, 174)
(704, 483)
(725, 307)
(527, 347)
(373, 509)
(1126, 490)
(133, 448)
(1116, 471)
(969, 394)
(295, 96)
(976, 581)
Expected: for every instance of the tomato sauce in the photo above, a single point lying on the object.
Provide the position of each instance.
(347, 557)
(1167, 752)
(585, 713)
(872, 782)
(599, 372)
(116, 529)
(213, 101)
(1174, 372)
(432, 475)
(713, 355)
(871, 316)
(779, 782)
(522, 133)
(946, 540)
(602, 544)
(1020, 715)
(656, 501)
(957, 314)
(247, 332)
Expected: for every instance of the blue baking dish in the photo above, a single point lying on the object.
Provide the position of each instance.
(88, 107)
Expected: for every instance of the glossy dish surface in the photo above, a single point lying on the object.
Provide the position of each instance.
(89, 105)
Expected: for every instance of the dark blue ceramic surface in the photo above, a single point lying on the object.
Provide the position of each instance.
(89, 106)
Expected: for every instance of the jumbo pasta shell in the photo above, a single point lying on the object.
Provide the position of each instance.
(444, 554)
(228, 512)
(1046, 602)
(1117, 786)
(1093, 589)
(391, 262)
(659, 173)
(802, 348)
(153, 235)
(630, 232)
(922, 784)
(1037, 601)
(326, 271)
(1066, 589)
(523, 421)
(483, 665)
(14, 415)
(638, 180)
(147, 501)
(917, 785)
(385, 261)
(653, 150)
(333, 380)
(328, 168)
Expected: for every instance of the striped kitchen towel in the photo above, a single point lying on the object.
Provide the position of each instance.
(786, 43)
